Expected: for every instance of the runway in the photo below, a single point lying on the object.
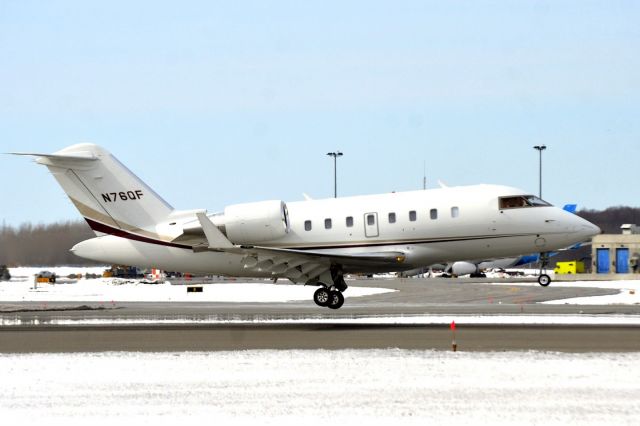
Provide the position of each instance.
(165, 338)
(205, 326)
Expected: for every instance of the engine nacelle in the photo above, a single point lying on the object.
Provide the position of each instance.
(463, 268)
(256, 222)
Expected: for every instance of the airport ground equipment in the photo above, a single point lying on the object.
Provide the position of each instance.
(45, 277)
(571, 267)
(4, 273)
(122, 271)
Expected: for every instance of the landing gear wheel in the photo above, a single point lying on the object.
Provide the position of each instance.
(336, 300)
(322, 297)
(544, 280)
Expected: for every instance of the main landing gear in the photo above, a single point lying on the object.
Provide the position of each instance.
(330, 296)
(544, 279)
(332, 299)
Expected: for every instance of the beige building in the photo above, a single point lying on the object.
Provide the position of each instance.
(617, 253)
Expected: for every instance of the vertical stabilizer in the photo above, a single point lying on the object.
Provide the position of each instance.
(105, 192)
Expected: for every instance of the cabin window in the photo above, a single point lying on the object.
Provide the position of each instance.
(412, 215)
(307, 225)
(327, 224)
(371, 219)
(392, 218)
(521, 201)
(433, 214)
(455, 212)
(349, 221)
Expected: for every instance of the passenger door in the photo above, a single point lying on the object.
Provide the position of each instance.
(371, 225)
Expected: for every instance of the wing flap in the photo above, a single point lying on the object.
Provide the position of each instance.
(302, 266)
(389, 257)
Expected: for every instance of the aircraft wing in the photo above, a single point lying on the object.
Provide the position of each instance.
(300, 266)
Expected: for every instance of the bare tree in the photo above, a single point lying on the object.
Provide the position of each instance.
(43, 245)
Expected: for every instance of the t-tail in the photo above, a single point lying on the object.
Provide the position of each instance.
(110, 197)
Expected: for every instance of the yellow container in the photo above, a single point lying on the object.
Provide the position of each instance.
(572, 267)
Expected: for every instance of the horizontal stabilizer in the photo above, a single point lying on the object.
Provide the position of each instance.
(76, 156)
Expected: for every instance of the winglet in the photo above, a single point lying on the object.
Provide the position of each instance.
(571, 208)
(215, 238)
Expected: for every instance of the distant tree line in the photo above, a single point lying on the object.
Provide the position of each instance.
(43, 244)
(48, 245)
(611, 219)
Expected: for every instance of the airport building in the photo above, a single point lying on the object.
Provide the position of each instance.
(617, 253)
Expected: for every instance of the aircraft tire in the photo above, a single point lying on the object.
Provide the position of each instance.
(322, 296)
(544, 280)
(336, 300)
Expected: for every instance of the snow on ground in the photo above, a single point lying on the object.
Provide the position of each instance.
(319, 387)
(629, 293)
(107, 290)
(21, 288)
(115, 290)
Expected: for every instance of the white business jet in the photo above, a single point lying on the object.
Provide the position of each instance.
(313, 242)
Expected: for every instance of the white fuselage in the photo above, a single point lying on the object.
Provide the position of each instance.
(430, 226)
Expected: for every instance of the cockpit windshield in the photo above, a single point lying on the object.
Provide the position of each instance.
(521, 201)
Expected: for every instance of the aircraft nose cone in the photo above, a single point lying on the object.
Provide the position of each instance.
(593, 230)
(587, 229)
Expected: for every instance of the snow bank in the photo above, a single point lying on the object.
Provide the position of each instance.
(318, 387)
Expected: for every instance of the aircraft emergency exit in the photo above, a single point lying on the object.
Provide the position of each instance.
(312, 242)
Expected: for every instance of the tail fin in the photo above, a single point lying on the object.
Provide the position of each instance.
(105, 192)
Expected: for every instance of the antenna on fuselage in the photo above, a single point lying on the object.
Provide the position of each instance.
(424, 174)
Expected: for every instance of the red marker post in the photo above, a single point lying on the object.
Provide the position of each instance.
(454, 345)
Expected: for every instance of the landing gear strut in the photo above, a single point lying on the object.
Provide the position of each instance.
(544, 279)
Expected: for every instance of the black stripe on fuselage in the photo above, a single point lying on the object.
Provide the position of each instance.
(106, 229)
(396, 243)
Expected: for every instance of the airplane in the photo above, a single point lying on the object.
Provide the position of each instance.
(311, 242)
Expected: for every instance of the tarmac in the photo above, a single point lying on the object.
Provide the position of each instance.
(35, 327)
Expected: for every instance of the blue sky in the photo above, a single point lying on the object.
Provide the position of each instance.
(215, 103)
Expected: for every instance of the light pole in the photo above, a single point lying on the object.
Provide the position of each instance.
(540, 148)
(335, 156)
